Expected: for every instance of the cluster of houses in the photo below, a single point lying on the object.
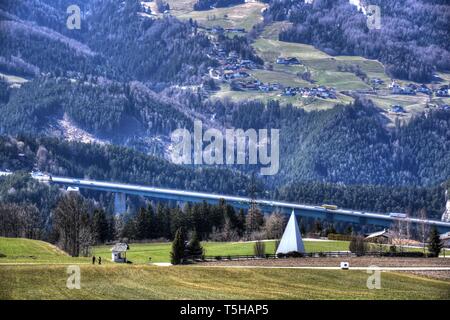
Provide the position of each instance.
(412, 89)
(218, 30)
(288, 61)
(304, 92)
(231, 67)
(443, 91)
(254, 84)
(320, 92)
(397, 109)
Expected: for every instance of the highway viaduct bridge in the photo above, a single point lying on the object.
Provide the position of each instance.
(319, 212)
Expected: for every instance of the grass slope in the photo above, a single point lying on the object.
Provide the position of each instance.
(18, 250)
(149, 282)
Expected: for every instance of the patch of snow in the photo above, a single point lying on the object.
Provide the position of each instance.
(73, 133)
(358, 5)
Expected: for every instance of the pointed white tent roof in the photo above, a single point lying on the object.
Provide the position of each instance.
(292, 238)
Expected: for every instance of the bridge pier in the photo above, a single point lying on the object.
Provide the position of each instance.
(120, 203)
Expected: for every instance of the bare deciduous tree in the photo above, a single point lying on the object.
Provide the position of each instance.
(274, 226)
(423, 228)
(73, 225)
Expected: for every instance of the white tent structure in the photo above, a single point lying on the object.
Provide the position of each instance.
(292, 238)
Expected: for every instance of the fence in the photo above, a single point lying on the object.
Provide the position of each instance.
(274, 256)
(321, 254)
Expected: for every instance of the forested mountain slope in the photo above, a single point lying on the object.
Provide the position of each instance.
(114, 41)
(114, 163)
(130, 80)
(350, 144)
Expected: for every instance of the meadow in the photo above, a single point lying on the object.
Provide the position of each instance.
(240, 16)
(25, 251)
(31, 269)
(160, 252)
(193, 282)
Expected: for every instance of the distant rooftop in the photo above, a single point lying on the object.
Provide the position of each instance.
(120, 247)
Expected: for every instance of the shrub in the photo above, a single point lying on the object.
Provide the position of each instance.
(294, 254)
(259, 249)
(434, 244)
(358, 246)
(339, 237)
(417, 254)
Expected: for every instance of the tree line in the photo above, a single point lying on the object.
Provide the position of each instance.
(202, 5)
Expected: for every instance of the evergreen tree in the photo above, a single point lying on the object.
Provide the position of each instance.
(100, 225)
(143, 224)
(254, 220)
(194, 247)
(176, 220)
(349, 230)
(318, 227)
(129, 229)
(240, 225)
(434, 244)
(178, 247)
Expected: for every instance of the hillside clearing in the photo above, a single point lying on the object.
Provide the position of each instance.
(240, 16)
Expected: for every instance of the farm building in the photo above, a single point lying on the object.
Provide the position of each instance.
(382, 236)
(119, 252)
(288, 61)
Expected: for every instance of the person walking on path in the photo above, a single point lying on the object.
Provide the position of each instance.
(99, 260)
(93, 260)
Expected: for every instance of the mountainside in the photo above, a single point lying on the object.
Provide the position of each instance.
(130, 76)
(350, 144)
(114, 41)
(413, 40)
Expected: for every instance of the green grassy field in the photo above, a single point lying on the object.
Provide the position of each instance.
(191, 282)
(33, 251)
(25, 251)
(160, 252)
(241, 16)
(324, 68)
(140, 281)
